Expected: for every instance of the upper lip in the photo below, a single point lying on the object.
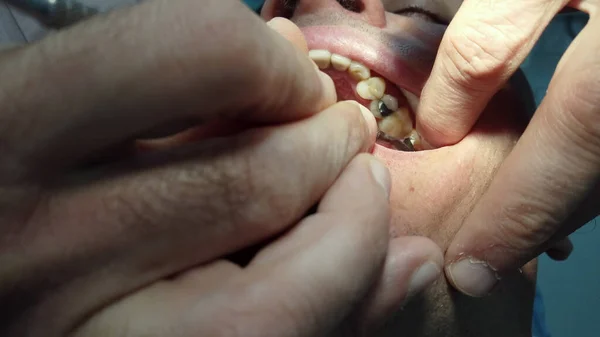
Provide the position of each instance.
(395, 65)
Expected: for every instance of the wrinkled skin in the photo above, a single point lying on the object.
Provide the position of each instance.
(433, 201)
(433, 191)
(81, 270)
(100, 239)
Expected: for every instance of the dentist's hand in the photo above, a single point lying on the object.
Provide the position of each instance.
(98, 237)
(548, 186)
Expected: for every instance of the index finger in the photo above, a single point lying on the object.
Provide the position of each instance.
(483, 46)
(114, 77)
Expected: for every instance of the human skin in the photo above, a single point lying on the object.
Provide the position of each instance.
(434, 190)
(432, 193)
(99, 239)
(548, 186)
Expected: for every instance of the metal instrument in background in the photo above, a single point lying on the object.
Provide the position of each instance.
(404, 145)
(55, 13)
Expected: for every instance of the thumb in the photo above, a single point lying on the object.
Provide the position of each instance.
(483, 46)
(195, 62)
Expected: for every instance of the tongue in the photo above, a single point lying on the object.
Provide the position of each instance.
(345, 86)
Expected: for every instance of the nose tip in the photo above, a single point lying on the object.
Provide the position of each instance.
(369, 11)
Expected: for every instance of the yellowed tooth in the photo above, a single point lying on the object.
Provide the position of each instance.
(339, 62)
(374, 107)
(377, 86)
(391, 102)
(371, 89)
(358, 71)
(397, 125)
(321, 57)
(363, 90)
(392, 126)
(404, 115)
(415, 139)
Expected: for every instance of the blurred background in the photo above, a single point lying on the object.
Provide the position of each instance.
(570, 289)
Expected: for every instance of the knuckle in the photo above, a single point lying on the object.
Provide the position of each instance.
(475, 59)
(267, 196)
(441, 128)
(525, 224)
(185, 194)
(355, 128)
(128, 208)
(579, 111)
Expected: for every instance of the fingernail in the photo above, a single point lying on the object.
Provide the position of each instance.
(381, 174)
(473, 277)
(422, 278)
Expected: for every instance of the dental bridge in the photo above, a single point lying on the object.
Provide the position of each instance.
(393, 107)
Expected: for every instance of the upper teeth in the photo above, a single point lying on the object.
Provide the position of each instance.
(394, 120)
(340, 63)
(359, 71)
(321, 57)
(371, 89)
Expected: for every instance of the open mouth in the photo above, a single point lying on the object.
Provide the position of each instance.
(382, 69)
(393, 107)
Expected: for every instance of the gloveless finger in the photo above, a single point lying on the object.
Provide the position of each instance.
(484, 45)
(552, 170)
(307, 282)
(303, 284)
(116, 76)
(170, 211)
(412, 264)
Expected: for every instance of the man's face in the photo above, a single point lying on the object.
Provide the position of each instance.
(432, 190)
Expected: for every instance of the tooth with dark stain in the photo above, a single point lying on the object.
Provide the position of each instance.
(384, 107)
(397, 125)
(395, 122)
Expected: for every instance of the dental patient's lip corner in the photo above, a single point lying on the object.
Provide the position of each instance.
(472, 277)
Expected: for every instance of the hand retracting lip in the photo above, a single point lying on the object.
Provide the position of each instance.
(404, 145)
